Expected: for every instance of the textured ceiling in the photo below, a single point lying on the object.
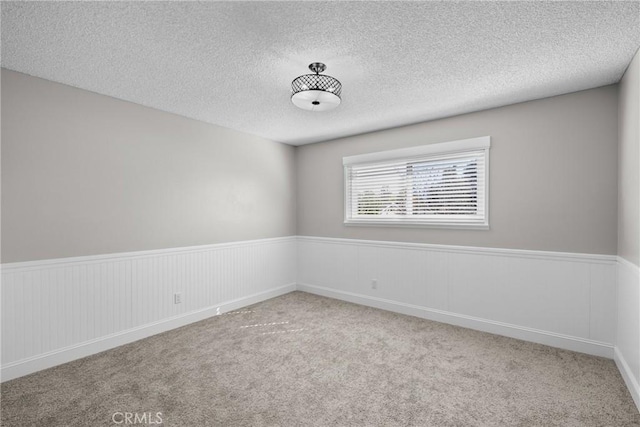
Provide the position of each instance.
(231, 63)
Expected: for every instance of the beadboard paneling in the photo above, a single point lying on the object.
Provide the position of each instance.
(561, 299)
(627, 354)
(52, 305)
(54, 311)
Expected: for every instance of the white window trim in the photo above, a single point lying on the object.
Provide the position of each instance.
(450, 147)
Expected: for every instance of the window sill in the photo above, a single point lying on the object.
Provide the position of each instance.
(416, 224)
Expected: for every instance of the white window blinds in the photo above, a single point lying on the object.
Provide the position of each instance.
(439, 184)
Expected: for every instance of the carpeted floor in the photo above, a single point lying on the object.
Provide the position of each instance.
(304, 360)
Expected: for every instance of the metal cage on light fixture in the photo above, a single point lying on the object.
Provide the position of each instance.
(316, 92)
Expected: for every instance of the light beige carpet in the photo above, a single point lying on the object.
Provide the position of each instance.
(304, 360)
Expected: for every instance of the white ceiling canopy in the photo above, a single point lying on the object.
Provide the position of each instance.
(232, 63)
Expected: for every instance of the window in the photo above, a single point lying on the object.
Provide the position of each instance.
(438, 185)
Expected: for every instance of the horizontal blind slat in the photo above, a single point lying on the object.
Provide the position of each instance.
(416, 171)
(432, 160)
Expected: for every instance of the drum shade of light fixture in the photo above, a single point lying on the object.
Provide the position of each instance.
(316, 92)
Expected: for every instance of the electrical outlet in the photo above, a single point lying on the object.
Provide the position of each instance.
(374, 284)
(177, 298)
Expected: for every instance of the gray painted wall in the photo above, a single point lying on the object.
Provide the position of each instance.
(553, 176)
(99, 175)
(86, 174)
(629, 164)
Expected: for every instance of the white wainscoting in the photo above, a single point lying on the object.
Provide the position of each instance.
(560, 299)
(627, 350)
(55, 311)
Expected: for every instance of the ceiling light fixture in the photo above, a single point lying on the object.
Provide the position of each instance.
(316, 92)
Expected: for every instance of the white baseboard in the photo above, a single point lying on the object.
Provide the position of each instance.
(627, 375)
(47, 360)
(513, 331)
